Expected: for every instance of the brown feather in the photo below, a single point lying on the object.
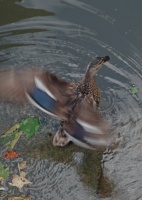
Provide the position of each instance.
(73, 101)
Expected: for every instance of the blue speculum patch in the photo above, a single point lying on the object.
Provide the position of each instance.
(43, 99)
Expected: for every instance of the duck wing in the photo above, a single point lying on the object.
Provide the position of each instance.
(41, 88)
(84, 126)
(87, 128)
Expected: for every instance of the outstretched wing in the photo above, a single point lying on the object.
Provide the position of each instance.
(85, 127)
(89, 129)
(42, 88)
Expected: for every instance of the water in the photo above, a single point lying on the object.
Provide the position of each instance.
(63, 36)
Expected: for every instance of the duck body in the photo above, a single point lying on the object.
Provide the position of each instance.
(83, 92)
(75, 104)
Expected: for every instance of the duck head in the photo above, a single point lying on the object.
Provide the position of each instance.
(95, 65)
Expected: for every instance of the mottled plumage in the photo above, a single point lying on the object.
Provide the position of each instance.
(75, 104)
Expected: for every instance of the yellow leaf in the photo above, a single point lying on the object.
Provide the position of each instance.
(12, 129)
(22, 174)
(13, 143)
(22, 165)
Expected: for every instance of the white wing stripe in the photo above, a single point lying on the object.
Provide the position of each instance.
(88, 127)
(96, 141)
(41, 86)
(77, 142)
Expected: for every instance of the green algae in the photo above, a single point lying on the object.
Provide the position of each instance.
(89, 169)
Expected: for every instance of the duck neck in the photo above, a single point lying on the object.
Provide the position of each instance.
(89, 77)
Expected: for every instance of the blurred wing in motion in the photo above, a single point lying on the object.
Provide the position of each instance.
(89, 130)
(41, 88)
(84, 126)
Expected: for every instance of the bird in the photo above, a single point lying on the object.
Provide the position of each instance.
(75, 104)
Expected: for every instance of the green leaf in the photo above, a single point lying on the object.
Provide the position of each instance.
(134, 89)
(4, 172)
(30, 126)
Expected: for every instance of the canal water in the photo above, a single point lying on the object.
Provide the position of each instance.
(62, 37)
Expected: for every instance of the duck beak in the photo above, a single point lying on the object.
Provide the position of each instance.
(98, 62)
(106, 58)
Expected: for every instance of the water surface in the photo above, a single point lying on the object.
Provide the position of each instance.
(62, 37)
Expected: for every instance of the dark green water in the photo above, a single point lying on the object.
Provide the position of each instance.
(63, 36)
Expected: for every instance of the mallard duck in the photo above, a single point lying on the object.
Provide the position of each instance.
(75, 104)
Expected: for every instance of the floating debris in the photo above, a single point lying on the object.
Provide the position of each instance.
(19, 181)
(134, 90)
(28, 126)
(4, 172)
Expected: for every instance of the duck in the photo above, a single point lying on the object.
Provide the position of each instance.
(75, 104)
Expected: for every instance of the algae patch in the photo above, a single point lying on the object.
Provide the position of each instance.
(89, 168)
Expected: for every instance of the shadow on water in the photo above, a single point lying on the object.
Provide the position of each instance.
(62, 37)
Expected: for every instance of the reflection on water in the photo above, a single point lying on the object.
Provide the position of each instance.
(11, 12)
(63, 36)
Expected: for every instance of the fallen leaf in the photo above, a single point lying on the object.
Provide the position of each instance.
(19, 181)
(22, 165)
(19, 198)
(11, 154)
(4, 172)
(23, 174)
(134, 89)
(1, 179)
(10, 140)
(13, 143)
(30, 126)
(12, 129)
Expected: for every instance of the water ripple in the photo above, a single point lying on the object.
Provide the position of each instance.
(55, 181)
(65, 47)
